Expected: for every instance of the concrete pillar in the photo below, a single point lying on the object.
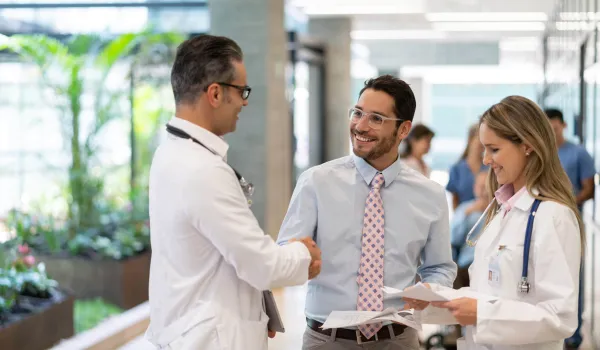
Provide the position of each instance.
(335, 33)
(261, 146)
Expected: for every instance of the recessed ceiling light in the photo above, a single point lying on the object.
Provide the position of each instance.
(486, 16)
(396, 35)
(489, 26)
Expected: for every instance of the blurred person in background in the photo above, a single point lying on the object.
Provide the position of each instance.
(416, 146)
(465, 217)
(576, 161)
(462, 173)
(579, 166)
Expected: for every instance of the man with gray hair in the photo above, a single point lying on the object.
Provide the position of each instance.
(210, 259)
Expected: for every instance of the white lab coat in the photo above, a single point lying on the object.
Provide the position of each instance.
(210, 259)
(544, 317)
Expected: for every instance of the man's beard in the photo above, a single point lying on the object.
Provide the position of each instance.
(382, 146)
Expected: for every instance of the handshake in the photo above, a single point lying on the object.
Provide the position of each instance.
(315, 254)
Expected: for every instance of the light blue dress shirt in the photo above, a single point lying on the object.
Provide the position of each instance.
(328, 205)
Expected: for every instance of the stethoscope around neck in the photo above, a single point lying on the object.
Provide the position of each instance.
(524, 286)
(247, 187)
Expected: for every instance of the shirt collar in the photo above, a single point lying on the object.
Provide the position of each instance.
(522, 200)
(210, 140)
(368, 172)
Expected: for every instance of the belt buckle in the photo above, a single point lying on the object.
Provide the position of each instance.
(359, 338)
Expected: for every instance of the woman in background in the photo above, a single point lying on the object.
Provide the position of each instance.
(417, 145)
(462, 173)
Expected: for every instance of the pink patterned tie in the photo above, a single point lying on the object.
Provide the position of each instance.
(370, 274)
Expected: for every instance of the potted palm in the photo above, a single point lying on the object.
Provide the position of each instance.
(98, 248)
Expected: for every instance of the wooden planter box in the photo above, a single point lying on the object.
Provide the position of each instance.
(40, 330)
(123, 283)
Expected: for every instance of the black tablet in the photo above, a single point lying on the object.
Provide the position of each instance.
(275, 322)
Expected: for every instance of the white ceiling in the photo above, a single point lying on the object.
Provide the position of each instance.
(448, 19)
(391, 27)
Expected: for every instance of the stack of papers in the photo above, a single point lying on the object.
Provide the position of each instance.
(346, 319)
(431, 314)
(421, 292)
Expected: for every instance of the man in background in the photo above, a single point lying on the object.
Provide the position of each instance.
(579, 166)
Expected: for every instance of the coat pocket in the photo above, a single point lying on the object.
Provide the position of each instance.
(509, 265)
(238, 334)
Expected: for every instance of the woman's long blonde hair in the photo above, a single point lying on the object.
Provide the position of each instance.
(520, 120)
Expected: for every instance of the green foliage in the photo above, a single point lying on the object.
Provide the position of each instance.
(8, 293)
(21, 276)
(66, 68)
(89, 313)
(36, 230)
(77, 68)
(150, 115)
(122, 234)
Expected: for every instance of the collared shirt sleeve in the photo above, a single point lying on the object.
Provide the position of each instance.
(437, 264)
(218, 209)
(301, 218)
(553, 317)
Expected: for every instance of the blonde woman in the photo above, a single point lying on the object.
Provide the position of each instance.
(534, 293)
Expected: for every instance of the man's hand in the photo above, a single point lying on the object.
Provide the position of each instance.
(417, 304)
(271, 334)
(315, 254)
(463, 309)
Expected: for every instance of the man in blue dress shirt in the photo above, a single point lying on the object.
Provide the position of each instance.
(579, 166)
(333, 203)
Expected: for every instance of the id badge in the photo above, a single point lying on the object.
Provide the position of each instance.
(494, 278)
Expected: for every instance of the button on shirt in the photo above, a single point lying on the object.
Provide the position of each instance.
(328, 204)
(207, 246)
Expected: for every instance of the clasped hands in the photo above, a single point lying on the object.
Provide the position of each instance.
(315, 254)
(463, 309)
(315, 264)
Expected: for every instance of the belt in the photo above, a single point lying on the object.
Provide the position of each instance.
(355, 334)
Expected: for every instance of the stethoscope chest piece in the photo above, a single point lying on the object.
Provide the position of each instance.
(248, 189)
(524, 285)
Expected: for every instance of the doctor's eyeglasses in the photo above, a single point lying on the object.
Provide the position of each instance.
(376, 120)
(244, 90)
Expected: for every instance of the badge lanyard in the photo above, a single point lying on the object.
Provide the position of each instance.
(524, 286)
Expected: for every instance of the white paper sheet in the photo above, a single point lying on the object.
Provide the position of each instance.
(421, 292)
(346, 319)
